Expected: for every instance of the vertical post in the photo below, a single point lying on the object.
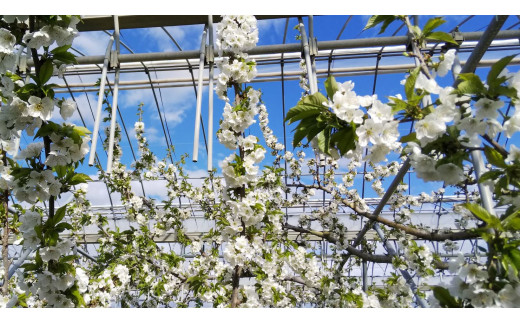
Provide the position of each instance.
(476, 156)
(313, 50)
(305, 43)
(114, 99)
(100, 103)
(210, 94)
(469, 67)
(199, 97)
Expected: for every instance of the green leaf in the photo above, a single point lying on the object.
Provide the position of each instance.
(82, 131)
(482, 214)
(344, 140)
(301, 112)
(441, 36)
(29, 267)
(331, 86)
(60, 170)
(60, 49)
(497, 68)
(397, 104)
(64, 226)
(377, 19)
(470, 84)
(444, 297)
(314, 131)
(47, 129)
(491, 175)
(324, 140)
(494, 157)
(300, 133)
(66, 57)
(79, 178)
(68, 258)
(312, 102)
(431, 24)
(514, 254)
(409, 86)
(512, 222)
(46, 71)
(78, 299)
(504, 90)
(409, 137)
(59, 215)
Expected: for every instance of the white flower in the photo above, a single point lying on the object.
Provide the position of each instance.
(50, 253)
(513, 124)
(508, 297)
(378, 152)
(450, 173)
(473, 273)
(10, 19)
(67, 108)
(7, 41)
(196, 246)
(426, 84)
(487, 108)
(425, 167)
(445, 65)
(380, 112)
(32, 150)
(472, 126)
(38, 39)
(41, 108)
(429, 128)
(122, 273)
(514, 154)
(139, 126)
(345, 104)
(369, 131)
(82, 279)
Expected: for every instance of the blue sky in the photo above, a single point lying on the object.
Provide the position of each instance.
(179, 103)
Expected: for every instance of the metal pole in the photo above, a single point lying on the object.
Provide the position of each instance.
(470, 66)
(305, 44)
(114, 100)
(286, 48)
(210, 94)
(314, 50)
(406, 275)
(19, 262)
(85, 254)
(476, 157)
(199, 97)
(100, 103)
(264, 77)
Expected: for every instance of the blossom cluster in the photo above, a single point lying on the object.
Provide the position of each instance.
(377, 127)
(235, 35)
(469, 285)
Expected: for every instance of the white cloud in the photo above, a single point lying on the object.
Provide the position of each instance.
(175, 102)
(92, 43)
(271, 29)
(188, 37)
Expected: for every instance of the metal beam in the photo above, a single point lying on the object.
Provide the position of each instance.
(285, 48)
(98, 23)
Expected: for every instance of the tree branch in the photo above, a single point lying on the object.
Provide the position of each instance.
(496, 145)
(5, 235)
(419, 233)
(353, 251)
